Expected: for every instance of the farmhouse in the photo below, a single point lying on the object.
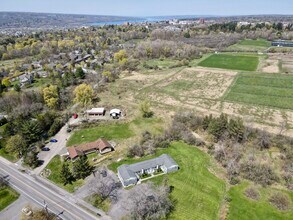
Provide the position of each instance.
(282, 43)
(96, 112)
(130, 174)
(101, 146)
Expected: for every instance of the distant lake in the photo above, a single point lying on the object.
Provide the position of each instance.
(140, 20)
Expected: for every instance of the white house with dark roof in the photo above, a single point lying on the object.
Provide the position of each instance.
(131, 174)
(26, 78)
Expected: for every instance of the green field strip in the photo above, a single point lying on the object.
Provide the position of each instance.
(264, 81)
(270, 101)
(263, 90)
(234, 62)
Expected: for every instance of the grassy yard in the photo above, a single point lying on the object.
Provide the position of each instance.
(263, 89)
(55, 166)
(197, 192)
(96, 201)
(9, 156)
(7, 196)
(233, 62)
(40, 82)
(243, 208)
(3, 153)
(110, 132)
(117, 131)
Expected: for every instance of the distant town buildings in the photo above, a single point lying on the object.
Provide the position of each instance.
(282, 43)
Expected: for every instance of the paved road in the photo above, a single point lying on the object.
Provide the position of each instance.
(37, 192)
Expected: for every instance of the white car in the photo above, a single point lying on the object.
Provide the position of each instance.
(27, 211)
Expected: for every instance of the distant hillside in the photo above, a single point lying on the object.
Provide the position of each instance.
(48, 20)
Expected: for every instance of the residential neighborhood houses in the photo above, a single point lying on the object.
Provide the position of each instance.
(61, 63)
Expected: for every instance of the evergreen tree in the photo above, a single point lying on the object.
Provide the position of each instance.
(17, 87)
(82, 168)
(206, 122)
(218, 126)
(65, 175)
(31, 131)
(236, 129)
(79, 73)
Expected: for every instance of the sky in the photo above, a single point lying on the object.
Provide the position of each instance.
(151, 7)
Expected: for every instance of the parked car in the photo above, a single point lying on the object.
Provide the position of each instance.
(53, 141)
(45, 149)
(27, 211)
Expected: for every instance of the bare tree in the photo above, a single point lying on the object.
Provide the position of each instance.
(104, 186)
(146, 201)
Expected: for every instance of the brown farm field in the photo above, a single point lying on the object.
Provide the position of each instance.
(198, 89)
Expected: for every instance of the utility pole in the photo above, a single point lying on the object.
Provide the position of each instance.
(46, 210)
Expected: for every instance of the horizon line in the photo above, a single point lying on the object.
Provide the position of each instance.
(145, 16)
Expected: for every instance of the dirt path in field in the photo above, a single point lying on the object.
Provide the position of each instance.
(200, 89)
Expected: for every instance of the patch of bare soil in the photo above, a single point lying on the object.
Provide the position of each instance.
(271, 66)
(203, 83)
(200, 90)
(286, 60)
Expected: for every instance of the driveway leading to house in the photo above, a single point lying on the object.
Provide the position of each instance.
(46, 156)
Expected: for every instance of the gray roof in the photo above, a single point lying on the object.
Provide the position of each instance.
(128, 171)
(25, 77)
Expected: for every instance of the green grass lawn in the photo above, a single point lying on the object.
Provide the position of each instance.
(110, 132)
(153, 125)
(233, 62)
(7, 196)
(96, 201)
(197, 192)
(243, 208)
(40, 82)
(55, 166)
(258, 43)
(250, 45)
(117, 131)
(7, 155)
(263, 89)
